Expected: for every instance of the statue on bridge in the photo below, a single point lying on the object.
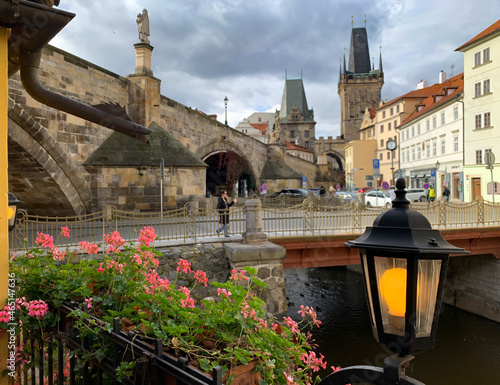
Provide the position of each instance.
(143, 26)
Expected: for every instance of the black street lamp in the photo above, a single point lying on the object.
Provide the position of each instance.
(404, 264)
(225, 106)
(12, 211)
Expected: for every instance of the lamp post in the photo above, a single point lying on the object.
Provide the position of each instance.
(489, 158)
(391, 145)
(225, 107)
(404, 264)
(437, 173)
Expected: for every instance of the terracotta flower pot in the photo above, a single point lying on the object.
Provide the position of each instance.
(244, 374)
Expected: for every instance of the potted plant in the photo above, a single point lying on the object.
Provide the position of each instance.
(229, 329)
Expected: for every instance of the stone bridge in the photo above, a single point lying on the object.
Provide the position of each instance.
(49, 150)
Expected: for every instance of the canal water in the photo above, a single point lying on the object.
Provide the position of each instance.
(467, 348)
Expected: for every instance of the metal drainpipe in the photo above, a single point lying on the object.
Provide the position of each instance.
(29, 63)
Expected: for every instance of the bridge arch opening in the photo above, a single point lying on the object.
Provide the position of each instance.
(335, 160)
(227, 170)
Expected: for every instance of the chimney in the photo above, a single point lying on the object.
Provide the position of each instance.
(422, 84)
(442, 77)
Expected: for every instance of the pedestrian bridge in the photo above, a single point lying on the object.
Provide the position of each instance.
(313, 231)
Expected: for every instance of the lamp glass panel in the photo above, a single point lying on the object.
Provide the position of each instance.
(368, 288)
(11, 215)
(428, 281)
(391, 286)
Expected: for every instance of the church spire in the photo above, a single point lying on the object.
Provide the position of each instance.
(380, 61)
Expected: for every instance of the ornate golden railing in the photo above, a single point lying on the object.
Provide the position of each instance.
(198, 220)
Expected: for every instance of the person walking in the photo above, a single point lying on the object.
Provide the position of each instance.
(446, 193)
(223, 206)
(430, 194)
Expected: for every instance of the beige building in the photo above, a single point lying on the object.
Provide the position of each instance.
(359, 166)
(481, 114)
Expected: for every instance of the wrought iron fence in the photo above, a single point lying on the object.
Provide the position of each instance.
(196, 220)
(61, 355)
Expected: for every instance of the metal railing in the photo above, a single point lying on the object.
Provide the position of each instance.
(286, 218)
(61, 355)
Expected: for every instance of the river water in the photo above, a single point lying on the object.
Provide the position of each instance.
(467, 348)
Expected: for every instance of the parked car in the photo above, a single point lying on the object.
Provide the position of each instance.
(364, 189)
(378, 198)
(416, 194)
(314, 191)
(344, 195)
(292, 192)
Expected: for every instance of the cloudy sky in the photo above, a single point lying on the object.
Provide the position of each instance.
(205, 50)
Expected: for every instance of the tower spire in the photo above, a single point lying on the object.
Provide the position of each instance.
(380, 61)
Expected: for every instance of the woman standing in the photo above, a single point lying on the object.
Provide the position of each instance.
(223, 206)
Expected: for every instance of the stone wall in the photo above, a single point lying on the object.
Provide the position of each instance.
(138, 188)
(217, 261)
(472, 284)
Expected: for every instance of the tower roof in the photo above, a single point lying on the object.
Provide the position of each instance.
(294, 95)
(359, 54)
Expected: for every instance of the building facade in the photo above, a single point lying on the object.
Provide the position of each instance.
(432, 139)
(482, 117)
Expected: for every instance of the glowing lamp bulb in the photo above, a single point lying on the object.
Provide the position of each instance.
(10, 212)
(393, 290)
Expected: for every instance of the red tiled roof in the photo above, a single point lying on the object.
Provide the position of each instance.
(262, 127)
(456, 82)
(291, 146)
(492, 28)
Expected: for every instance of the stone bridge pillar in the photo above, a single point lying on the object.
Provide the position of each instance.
(264, 256)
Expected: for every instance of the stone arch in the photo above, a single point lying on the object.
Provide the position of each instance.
(336, 159)
(215, 177)
(41, 174)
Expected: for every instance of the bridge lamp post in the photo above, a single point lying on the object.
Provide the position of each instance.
(225, 107)
(404, 265)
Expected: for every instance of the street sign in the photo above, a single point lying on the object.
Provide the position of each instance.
(489, 158)
(426, 185)
(304, 185)
(433, 173)
(385, 186)
(376, 167)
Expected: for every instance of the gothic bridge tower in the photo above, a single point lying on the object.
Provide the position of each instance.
(359, 86)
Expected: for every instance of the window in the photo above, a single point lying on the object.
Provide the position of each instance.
(479, 156)
(455, 112)
(419, 152)
(389, 127)
(443, 118)
(418, 129)
(395, 124)
(477, 59)
(413, 153)
(443, 146)
(428, 147)
(388, 155)
(434, 121)
(397, 109)
(381, 143)
(403, 153)
(477, 89)
(486, 87)
(412, 131)
(477, 121)
(486, 55)
(403, 135)
(383, 114)
(381, 128)
(292, 133)
(260, 120)
(364, 135)
(434, 148)
(306, 133)
(487, 119)
(428, 124)
(306, 144)
(455, 143)
(381, 156)
(392, 111)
